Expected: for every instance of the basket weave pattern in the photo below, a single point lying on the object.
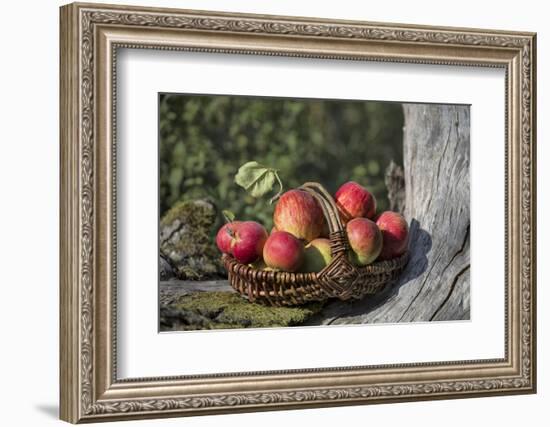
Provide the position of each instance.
(340, 279)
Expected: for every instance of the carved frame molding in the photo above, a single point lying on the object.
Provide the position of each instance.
(90, 36)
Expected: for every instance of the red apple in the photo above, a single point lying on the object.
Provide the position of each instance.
(395, 234)
(355, 201)
(298, 213)
(225, 236)
(283, 251)
(317, 255)
(243, 239)
(365, 240)
(249, 242)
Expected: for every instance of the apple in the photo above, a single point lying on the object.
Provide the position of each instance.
(395, 234)
(317, 255)
(298, 213)
(249, 242)
(225, 236)
(355, 201)
(365, 240)
(246, 240)
(283, 251)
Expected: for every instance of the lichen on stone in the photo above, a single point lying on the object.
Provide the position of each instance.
(201, 213)
(186, 239)
(228, 310)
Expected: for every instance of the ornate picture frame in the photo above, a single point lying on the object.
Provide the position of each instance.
(90, 37)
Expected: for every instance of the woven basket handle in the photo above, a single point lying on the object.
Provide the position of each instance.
(338, 238)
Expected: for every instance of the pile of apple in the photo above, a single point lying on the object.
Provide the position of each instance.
(299, 240)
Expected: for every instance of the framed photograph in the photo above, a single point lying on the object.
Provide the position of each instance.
(266, 212)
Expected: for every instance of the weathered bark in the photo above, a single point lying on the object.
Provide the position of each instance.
(435, 284)
(395, 183)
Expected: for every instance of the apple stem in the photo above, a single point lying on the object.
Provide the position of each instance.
(276, 196)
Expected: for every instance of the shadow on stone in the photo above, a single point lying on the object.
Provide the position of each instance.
(419, 246)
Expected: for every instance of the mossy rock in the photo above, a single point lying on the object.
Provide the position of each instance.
(228, 310)
(186, 240)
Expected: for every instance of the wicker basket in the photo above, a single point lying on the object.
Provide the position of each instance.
(340, 279)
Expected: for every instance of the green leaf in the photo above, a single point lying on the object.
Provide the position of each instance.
(257, 179)
(228, 215)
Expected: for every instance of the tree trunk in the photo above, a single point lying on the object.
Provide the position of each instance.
(435, 285)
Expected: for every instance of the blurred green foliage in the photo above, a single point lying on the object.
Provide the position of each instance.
(205, 139)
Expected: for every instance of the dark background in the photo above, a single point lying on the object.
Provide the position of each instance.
(205, 139)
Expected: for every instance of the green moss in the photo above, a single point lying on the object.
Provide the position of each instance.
(187, 232)
(227, 310)
(198, 213)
